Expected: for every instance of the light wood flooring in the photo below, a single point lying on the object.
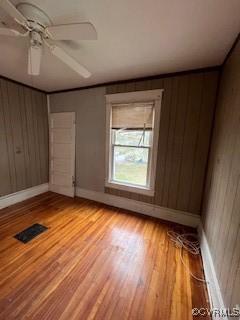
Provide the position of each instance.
(94, 262)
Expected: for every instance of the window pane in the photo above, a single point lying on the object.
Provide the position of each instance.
(130, 165)
(132, 137)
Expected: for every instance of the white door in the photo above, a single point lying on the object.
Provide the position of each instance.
(62, 153)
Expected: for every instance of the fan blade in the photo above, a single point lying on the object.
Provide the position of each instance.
(34, 60)
(13, 12)
(71, 62)
(74, 31)
(9, 32)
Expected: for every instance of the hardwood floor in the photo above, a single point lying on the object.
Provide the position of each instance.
(94, 262)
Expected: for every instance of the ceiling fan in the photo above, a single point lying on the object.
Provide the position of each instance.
(39, 29)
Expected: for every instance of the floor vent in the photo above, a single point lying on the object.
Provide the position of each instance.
(30, 233)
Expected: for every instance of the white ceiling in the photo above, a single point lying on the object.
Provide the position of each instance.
(136, 38)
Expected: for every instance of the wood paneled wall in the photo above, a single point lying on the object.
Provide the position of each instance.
(221, 210)
(185, 128)
(186, 122)
(23, 137)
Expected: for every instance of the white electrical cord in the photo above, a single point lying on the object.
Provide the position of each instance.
(190, 243)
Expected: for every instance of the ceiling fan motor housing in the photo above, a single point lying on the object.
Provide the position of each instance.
(36, 17)
(37, 22)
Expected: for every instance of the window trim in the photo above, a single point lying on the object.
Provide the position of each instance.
(128, 97)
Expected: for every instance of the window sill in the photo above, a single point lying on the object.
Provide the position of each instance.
(130, 188)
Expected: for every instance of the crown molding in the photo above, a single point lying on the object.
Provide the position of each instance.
(22, 84)
(155, 77)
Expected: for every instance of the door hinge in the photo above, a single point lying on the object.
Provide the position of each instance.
(73, 181)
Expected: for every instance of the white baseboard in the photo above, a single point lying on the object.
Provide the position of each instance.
(213, 287)
(19, 196)
(172, 215)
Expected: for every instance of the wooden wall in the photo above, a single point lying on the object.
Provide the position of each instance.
(23, 137)
(185, 127)
(221, 210)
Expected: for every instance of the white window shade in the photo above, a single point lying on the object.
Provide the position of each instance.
(133, 115)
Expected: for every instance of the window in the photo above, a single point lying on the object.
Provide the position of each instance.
(132, 139)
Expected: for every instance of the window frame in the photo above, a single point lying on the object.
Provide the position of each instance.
(131, 97)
